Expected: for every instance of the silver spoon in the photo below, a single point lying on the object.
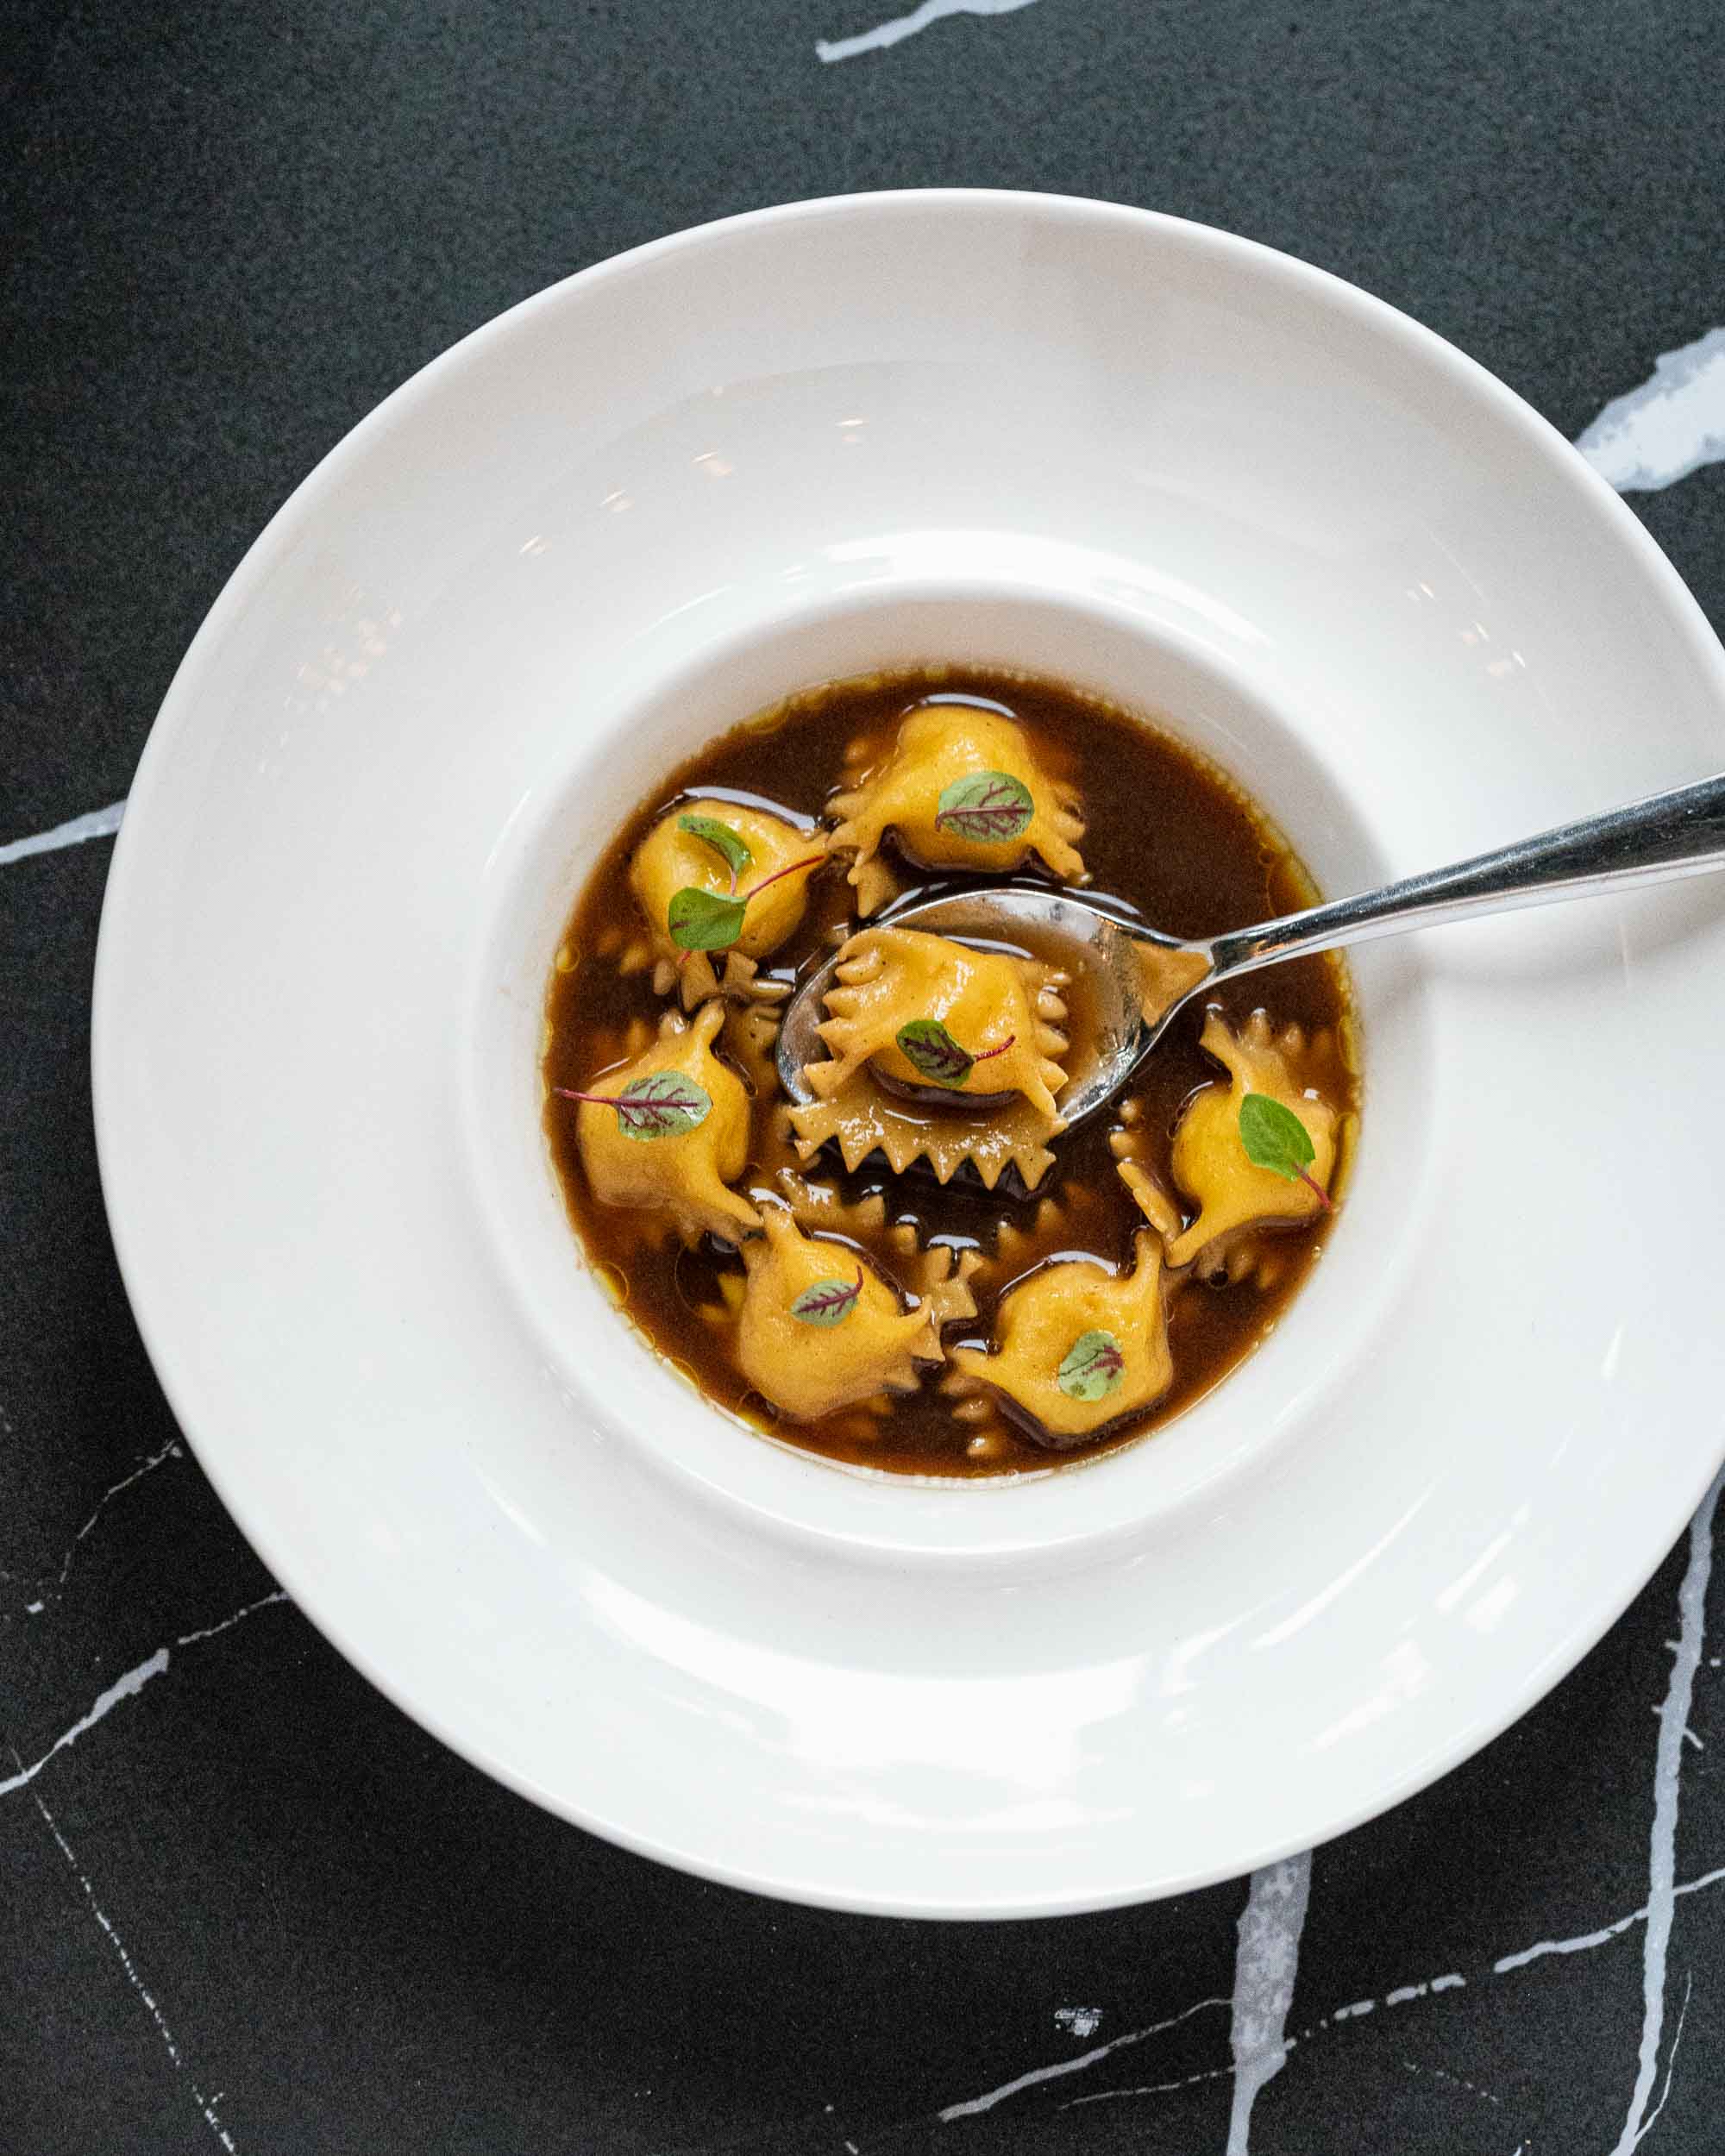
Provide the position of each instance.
(1135, 979)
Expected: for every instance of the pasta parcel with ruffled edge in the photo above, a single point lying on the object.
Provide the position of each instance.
(960, 788)
(1077, 1345)
(742, 858)
(820, 1329)
(923, 1012)
(1211, 1161)
(670, 1131)
(799, 1286)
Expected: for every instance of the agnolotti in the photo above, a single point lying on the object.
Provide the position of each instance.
(820, 1329)
(940, 1052)
(960, 788)
(669, 1131)
(999, 1017)
(1076, 1346)
(748, 853)
(1209, 1161)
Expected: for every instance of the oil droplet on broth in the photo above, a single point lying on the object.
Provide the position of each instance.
(613, 1280)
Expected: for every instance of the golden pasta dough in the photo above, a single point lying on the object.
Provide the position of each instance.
(863, 1118)
(1209, 1161)
(916, 1021)
(961, 788)
(998, 1019)
(821, 1329)
(1079, 1344)
(670, 1130)
(673, 857)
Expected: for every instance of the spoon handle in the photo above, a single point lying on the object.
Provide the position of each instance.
(1681, 833)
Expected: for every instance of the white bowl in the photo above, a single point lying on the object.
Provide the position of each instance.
(1173, 467)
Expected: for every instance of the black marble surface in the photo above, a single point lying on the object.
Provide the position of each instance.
(249, 1906)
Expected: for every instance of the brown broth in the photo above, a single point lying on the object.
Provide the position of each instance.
(1169, 838)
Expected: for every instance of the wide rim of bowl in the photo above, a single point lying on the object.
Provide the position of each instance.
(1675, 604)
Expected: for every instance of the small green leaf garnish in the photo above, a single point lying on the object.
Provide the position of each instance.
(1276, 1138)
(705, 920)
(664, 1104)
(708, 920)
(928, 1046)
(828, 1302)
(1093, 1367)
(730, 845)
(935, 1055)
(990, 806)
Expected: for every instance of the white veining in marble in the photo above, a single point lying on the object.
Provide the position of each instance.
(1507, 1964)
(1583, 1942)
(1670, 2063)
(101, 822)
(206, 2105)
(973, 2105)
(171, 1451)
(1455, 2081)
(1343, 2016)
(1691, 1601)
(129, 1685)
(903, 26)
(1266, 1962)
(1666, 427)
(1078, 2021)
(126, 1687)
(1150, 2088)
(1338, 2017)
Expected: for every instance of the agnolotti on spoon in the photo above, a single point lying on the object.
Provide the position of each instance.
(1138, 978)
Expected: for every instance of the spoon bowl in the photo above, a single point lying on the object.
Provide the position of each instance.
(1113, 968)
